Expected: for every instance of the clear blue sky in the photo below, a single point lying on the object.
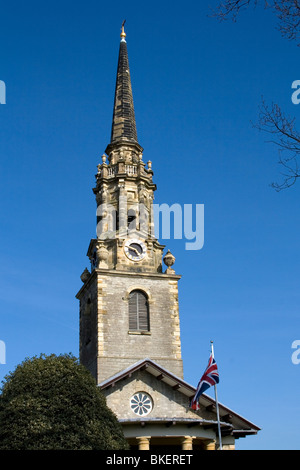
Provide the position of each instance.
(197, 85)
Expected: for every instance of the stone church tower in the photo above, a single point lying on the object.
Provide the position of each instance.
(128, 305)
(129, 314)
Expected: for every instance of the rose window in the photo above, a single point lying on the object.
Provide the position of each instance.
(141, 404)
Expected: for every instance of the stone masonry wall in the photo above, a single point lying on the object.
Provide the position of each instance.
(119, 348)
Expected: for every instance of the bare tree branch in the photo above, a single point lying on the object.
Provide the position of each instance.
(271, 119)
(287, 12)
(286, 138)
(231, 8)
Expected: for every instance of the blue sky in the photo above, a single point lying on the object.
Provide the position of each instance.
(197, 86)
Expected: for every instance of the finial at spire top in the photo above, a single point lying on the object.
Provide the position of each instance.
(123, 34)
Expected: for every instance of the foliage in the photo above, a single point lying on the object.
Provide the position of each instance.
(53, 403)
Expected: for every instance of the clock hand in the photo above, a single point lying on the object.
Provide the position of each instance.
(135, 250)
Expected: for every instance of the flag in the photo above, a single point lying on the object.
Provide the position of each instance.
(209, 378)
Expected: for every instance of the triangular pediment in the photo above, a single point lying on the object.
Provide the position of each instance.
(170, 398)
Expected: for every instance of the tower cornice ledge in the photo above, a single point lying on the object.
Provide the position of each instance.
(124, 176)
(132, 274)
(119, 272)
(123, 142)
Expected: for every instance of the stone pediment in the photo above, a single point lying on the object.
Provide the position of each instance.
(167, 398)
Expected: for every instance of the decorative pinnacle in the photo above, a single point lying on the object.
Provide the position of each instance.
(123, 34)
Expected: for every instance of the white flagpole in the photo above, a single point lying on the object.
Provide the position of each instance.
(217, 405)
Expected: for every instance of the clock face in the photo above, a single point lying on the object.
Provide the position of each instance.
(135, 250)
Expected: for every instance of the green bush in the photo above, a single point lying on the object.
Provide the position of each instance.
(53, 403)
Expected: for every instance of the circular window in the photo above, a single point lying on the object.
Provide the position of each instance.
(141, 404)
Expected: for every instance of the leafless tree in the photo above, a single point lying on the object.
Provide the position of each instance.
(231, 8)
(287, 12)
(286, 138)
(271, 118)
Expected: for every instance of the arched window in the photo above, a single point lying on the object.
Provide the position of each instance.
(138, 311)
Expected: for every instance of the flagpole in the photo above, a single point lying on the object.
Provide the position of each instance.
(217, 405)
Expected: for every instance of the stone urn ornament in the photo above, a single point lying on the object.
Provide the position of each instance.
(169, 260)
(85, 275)
(102, 255)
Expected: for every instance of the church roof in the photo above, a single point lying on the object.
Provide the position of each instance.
(240, 426)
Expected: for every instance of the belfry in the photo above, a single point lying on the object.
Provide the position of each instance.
(129, 312)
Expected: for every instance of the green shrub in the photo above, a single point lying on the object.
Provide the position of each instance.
(53, 403)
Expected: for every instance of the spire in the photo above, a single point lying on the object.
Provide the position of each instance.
(123, 124)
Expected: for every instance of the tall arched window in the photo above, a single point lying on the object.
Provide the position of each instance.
(138, 311)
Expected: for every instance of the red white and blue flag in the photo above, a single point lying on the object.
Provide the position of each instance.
(209, 378)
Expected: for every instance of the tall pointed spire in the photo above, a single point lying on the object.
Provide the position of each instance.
(123, 124)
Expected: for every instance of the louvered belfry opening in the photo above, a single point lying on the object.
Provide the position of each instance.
(138, 311)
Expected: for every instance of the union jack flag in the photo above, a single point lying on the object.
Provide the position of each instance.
(209, 378)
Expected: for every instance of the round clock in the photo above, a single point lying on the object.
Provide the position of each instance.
(135, 250)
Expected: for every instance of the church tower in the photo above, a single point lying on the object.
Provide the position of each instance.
(129, 316)
(128, 301)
